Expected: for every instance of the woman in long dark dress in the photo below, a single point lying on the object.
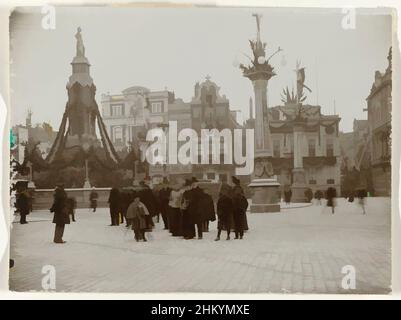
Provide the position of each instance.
(174, 208)
(115, 206)
(188, 227)
(61, 216)
(240, 206)
(225, 209)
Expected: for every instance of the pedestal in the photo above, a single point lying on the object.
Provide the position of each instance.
(299, 186)
(87, 184)
(265, 195)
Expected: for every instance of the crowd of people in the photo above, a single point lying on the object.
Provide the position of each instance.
(184, 208)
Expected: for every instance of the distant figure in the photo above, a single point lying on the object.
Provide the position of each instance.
(331, 194)
(71, 205)
(351, 196)
(61, 217)
(240, 206)
(23, 205)
(362, 194)
(114, 205)
(93, 199)
(137, 213)
(287, 195)
(318, 197)
(309, 194)
(225, 210)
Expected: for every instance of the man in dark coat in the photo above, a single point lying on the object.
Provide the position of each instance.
(196, 211)
(22, 205)
(240, 206)
(115, 206)
(149, 200)
(188, 227)
(93, 199)
(225, 209)
(164, 196)
(331, 194)
(61, 217)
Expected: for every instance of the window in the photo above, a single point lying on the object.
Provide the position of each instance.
(118, 134)
(312, 147)
(330, 181)
(276, 148)
(116, 110)
(211, 175)
(157, 107)
(312, 181)
(329, 148)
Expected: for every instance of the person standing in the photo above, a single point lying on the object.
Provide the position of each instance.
(164, 196)
(61, 217)
(136, 214)
(188, 227)
(331, 194)
(196, 211)
(318, 197)
(174, 206)
(23, 205)
(287, 195)
(148, 198)
(93, 199)
(114, 205)
(240, 206)
(225, 209)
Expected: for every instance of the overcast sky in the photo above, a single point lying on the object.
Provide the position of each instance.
(175, 48)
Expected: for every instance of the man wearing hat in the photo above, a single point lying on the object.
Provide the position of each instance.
(188, 228)
(195, 209)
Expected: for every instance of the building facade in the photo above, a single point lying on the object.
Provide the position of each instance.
(318, 153)
(379, 118)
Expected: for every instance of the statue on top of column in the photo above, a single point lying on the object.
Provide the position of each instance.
(80, 43)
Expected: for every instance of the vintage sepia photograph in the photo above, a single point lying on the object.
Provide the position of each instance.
(184, 149)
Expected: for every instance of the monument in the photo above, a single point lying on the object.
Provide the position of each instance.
(76, 141)
(264, 184)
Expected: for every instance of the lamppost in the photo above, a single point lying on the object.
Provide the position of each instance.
(86, 147)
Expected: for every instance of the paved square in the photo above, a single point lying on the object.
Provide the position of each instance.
(297, 250)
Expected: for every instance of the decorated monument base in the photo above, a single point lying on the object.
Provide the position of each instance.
(265, 195)
(299, 186)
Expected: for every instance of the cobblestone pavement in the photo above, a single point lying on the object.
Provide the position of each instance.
(297, 250)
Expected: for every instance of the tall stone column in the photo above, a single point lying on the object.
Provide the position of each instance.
(264, 184)
(299, 186)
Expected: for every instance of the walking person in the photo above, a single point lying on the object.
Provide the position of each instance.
(225, 209)
(71, 205)
(240, 206)
(136, 214)
(93, 199)
(148, 198)
(115, 206)
(61, 217)
(318, 197)
(361, 194)
(331, 195)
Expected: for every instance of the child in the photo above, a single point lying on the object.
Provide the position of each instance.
(137, 213)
